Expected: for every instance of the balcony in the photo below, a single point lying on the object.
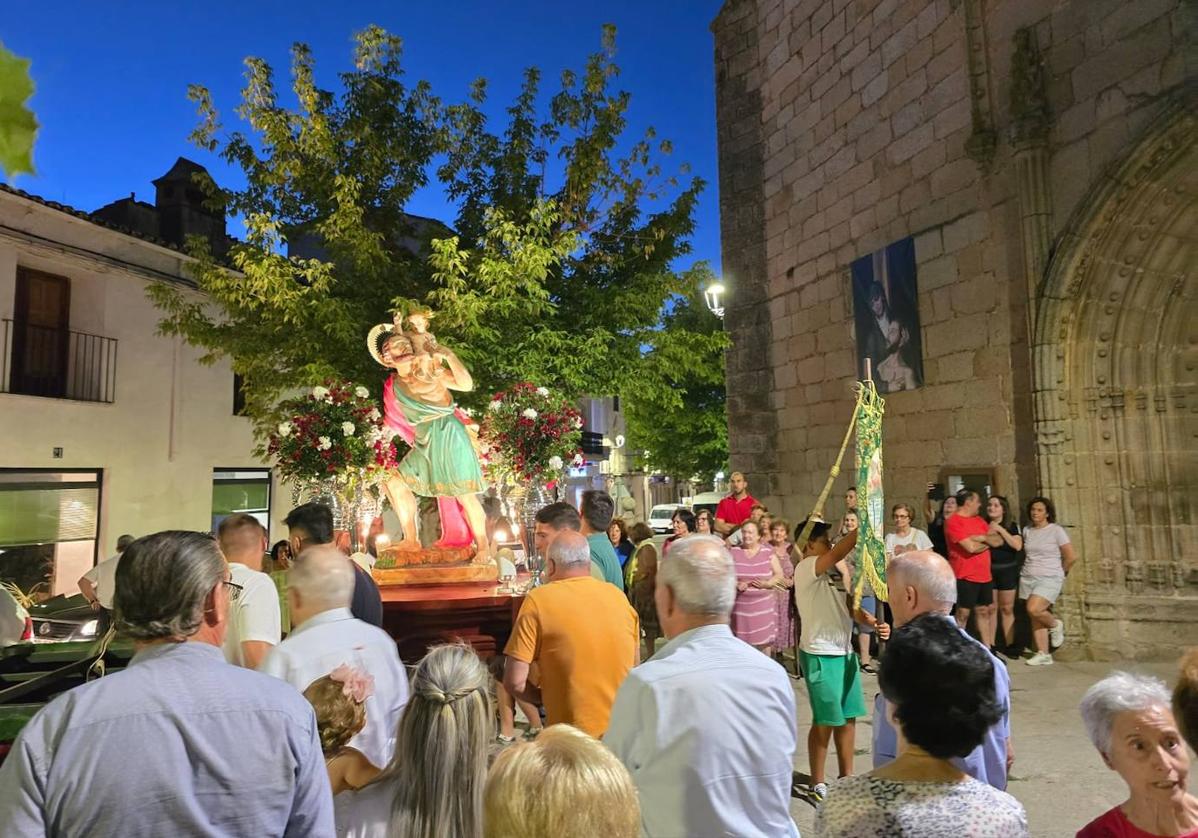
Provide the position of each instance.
(57, 363)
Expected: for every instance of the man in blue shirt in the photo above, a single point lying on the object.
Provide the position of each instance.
(923, 582)
(707, 727)
(180, 742)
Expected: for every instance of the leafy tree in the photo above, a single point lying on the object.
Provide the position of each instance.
(674, 407)
(556, 270)
(17, 124)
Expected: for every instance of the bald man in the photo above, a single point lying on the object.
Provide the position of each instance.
(581, 632)
(320, 587)
(254, 620)
(923, 582)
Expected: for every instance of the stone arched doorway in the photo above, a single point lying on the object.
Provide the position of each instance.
(1116, 398)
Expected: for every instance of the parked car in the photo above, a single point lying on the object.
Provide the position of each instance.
(659, 517)
(64, 618)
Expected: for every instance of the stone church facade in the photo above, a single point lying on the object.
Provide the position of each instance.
(1043, 157)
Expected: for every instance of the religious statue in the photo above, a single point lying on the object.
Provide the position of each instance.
(443, 459)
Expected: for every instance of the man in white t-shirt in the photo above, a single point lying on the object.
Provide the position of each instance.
(905, 538)
(320, 586)
(826, 655)
(98, 585)
(254, 622)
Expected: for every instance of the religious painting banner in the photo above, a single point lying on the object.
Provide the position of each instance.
(886, 315)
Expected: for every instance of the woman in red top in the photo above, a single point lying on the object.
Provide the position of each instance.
(1130, 722)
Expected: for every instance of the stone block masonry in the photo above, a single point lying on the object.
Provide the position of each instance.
(846, 126)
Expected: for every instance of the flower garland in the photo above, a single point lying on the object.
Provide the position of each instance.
(530, 434)
(334, 432)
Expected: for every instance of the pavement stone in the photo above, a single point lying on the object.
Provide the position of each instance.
(1058, 776)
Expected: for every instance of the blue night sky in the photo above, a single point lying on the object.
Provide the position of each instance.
(112, 77)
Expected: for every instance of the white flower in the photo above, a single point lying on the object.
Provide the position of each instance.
(348, 428)
(319, 392)
(284, 429)
(542, 391)
(529, 413)
(495, 405)
(325, 444)
(467, 411)
(577, 461)
(555, 462)
(578, 423)
(374, 415)
(361, 392)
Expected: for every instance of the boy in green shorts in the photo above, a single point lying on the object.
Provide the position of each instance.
(826, 655)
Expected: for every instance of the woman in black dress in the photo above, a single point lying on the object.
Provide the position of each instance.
(1004, 564)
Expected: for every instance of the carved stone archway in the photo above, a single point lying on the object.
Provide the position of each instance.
(1116, 397)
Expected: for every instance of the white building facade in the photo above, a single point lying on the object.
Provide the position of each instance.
(106, 427)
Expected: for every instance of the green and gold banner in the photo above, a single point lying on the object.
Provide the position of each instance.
(871, 506)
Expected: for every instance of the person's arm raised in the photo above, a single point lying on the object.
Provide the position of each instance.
(839, 551)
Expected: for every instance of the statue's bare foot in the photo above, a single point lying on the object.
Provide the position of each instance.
(484, 555)
(407, 545)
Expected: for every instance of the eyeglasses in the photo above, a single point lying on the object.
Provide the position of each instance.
(234, 589)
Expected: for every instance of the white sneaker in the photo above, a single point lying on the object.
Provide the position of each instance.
(1056, 634)
(1040, 659)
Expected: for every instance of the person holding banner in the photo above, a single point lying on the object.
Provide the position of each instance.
(826, 655)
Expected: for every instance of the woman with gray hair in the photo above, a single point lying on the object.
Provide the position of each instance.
(1130, 722)
(433, 787)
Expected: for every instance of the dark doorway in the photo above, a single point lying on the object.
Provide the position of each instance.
(41, 335)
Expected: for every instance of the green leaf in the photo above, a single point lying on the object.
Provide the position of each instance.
(18, 127)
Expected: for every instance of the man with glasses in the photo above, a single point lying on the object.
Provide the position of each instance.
(254, 620)
(179, 742)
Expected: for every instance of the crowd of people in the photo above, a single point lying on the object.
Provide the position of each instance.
(264, 698)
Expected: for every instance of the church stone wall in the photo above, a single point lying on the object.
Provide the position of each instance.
(845, 125)
(979, 128)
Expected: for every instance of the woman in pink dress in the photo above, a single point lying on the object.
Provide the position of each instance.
(784, 615)
(754, 617)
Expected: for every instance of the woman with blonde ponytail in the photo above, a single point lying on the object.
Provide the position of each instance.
(433, 786)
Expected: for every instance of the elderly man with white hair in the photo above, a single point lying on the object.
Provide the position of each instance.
(708, 726)
(922, 582)
(320, 587)
(582, 634)
(1130, 721)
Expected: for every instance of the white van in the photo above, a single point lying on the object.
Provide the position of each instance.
(660, 517)
(708, 501)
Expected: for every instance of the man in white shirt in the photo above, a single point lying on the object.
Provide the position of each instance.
(320, 586)
(707, 727)
(98, 585)
(254, 620)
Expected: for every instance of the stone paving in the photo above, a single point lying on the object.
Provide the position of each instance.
(1058, 776)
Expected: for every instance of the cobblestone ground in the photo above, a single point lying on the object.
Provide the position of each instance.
(1058, 776)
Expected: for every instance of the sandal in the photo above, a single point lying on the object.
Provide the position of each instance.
(869, 669)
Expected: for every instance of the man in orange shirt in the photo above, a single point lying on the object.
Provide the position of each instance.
(582, 634)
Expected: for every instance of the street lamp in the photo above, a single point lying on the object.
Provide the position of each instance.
(714, 295)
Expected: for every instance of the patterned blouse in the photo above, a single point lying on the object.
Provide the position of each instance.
(870, 807)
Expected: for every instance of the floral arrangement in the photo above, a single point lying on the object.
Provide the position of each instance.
(529, 434)
(333, 433)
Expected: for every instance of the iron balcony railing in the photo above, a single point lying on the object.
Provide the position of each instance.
(57, 363)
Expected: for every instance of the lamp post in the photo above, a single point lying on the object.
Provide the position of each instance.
(714, 296)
